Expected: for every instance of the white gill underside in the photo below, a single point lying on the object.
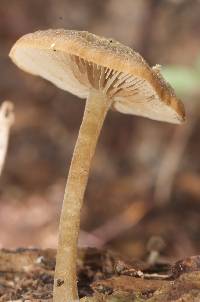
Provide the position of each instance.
(130, 94)
(111, 82)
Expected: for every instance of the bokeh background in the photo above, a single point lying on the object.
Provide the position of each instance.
(145, 179)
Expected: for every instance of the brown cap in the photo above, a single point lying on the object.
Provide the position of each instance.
(78, 61)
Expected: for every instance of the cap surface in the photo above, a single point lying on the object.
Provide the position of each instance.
(78, 61)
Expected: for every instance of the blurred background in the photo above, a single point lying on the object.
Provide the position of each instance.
(144, 184)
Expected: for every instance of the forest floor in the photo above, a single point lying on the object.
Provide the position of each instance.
(27, 275)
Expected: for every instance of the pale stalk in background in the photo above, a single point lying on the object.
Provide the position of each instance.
(172, 158)
(6, 121)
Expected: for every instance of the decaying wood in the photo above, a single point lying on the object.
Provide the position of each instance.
(27, 275)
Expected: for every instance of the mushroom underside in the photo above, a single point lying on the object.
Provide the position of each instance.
(130, 94)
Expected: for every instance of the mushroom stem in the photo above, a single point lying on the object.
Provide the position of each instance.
(65, 281)
(6, 121)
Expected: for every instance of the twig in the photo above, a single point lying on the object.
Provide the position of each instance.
(6, 121)
(89, 239)
(156, 276)
(119, 224)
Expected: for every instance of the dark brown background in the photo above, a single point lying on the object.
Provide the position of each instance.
(131, 150)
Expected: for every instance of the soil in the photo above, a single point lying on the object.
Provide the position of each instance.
(27, 275)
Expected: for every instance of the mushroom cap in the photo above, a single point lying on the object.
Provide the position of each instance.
(78, 61)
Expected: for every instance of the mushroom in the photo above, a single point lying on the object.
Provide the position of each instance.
(109, 75)
(155, 246)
